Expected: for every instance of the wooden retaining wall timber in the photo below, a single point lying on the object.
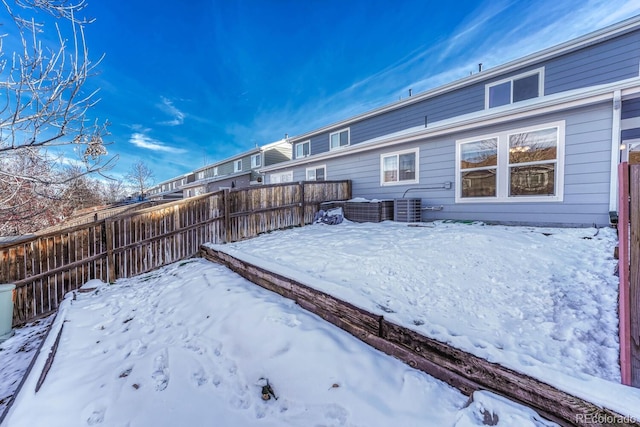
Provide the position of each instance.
(47, 266)
(458, 368)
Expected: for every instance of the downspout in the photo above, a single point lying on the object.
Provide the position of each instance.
(615, 151)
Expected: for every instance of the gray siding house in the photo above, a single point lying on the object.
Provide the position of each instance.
(534, 141)
(234, 172)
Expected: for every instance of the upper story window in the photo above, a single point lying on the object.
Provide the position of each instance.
(237, 166)
(400, 167)
(303, 149)
(318, 173)
(256, 160)
(339, 139)
(201, 175)
(521, 165)
(517, 88)
(215, 171)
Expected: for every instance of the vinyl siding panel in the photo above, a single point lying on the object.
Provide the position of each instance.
(606, 62)
(276, 155)
(463, 101)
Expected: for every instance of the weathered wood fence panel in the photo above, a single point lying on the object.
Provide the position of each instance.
(458, 368)
(46, 267)
(634, 276)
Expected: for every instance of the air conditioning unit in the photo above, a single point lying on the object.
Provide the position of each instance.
(407, 210)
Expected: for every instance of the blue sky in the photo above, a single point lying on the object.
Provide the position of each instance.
(190, 83)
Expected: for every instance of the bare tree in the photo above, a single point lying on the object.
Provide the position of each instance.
(140, 177)
(42, 107)
(113, 191)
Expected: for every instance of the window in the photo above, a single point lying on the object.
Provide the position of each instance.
(237, 165)
(303, 149)
(277, 178)
(400, 167)
(514, 89)
(256, 161)
(520, 165)
(339, 139)
(318, 173)
(215, 171)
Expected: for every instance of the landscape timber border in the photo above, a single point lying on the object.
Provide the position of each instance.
(460, 369)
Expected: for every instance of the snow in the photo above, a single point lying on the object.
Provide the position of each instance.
(192, 343)
(16, 353)
(542, 301)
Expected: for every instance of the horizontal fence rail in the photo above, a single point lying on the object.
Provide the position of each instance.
(47, 266)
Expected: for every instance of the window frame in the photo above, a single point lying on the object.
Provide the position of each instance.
(503, 166)
(397, 154)
(254, 163)
(302, 144)
(488, 86)
(315, 174)
(288, 174)
(237, 165)
(338, 132)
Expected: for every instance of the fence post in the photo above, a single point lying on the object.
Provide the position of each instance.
(302, 205)
(227, 218)
(111, 262)
(634, 283)
(623, 272)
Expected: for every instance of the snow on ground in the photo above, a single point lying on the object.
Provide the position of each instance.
(16, 353)
(192, 344)
(542, 301)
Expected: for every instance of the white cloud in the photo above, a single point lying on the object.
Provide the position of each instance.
(143, 141)
(168, 108)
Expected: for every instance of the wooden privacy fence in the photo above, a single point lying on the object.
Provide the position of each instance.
(629, 270)
(45, 267)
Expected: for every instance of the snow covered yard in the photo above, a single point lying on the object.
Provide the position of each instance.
(190, 343)
(542, 301)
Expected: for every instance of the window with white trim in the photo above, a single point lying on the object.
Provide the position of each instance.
(318, 173)
(237, 166)
(517, 88)
(339, 139)
(277, 178)
(523, 165)
(400, 167)
(303, 149)
(215, 171)
(256, 160)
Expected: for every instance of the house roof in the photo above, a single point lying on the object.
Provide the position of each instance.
(543, 105)
(615, 30)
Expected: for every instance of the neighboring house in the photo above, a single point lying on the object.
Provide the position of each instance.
(533, 141)
(169, 190)
(234, 172)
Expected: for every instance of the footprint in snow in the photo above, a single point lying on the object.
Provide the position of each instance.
(161, 370)
(94, 413)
